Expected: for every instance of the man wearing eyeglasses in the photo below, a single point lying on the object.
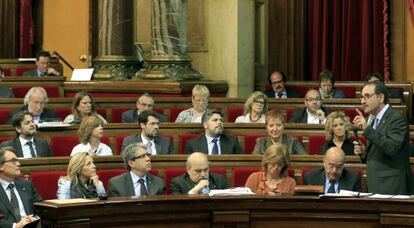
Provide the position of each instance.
(387, 151)
(43, 68)
(17, 195)
(313, 113)
(137, 181)
(144, 103)
(279, 89)
(333, 175)
(197, 179)
(35, 101)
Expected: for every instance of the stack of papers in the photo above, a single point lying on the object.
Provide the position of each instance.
(240, 191)
(52, 124)
(345, 194)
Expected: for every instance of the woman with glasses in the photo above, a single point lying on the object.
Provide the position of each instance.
(81, 180)
(327, 86)
(337, 128)
(82, 106)
(255, 108)
(200, 95)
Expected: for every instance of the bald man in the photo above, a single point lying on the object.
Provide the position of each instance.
(334, 176)
(313, 113)
(197, 179)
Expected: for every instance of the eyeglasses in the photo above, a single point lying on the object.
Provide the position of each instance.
(13, 160)
(277, 82)
(310, 99)
(367, 96)
(259, 102)
(146, 105)
(142, 156)
(38, 102)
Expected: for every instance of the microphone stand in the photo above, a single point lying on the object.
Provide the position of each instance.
(63, 59)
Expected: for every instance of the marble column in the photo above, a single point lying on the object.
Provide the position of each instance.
(115, 55)
(169, 59)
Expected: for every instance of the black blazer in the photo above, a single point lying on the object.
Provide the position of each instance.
(301, 115)
(348, 181)
(47, 113)
(289, 92)
(41, 146)
(183, 183)
(228, 145)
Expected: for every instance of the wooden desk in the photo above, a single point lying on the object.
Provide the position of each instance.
(246, 211)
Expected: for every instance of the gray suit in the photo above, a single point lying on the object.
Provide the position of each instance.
(163, 144)
(348, 181)
(228, 145)
(41, 146)
(122, 185)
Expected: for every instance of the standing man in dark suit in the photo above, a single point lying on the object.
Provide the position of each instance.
(150, 135)
(197, 179)
(334, 176)
(144, 103)
(34, 102)
(279, 89)
(42, 66)
(214, 141)
(26, 144)
(313, 113)
(17, 195)
(137, 181)
(387, 151)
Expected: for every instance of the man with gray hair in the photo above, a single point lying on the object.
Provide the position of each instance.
(144, 103)
(34, 102)
(137, 181)
(214, 142)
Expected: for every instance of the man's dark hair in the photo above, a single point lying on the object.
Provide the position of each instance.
(374, 74)
(207, 114)
(280, 72)
(3, 151)
(43, 54)
(143, 117)
(19, 117)
(380, 88)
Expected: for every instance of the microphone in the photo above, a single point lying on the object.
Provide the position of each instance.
(356, 139)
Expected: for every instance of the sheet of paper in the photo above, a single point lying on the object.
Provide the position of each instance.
(82, 74)
(70, 201)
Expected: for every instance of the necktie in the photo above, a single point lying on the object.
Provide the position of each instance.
(331, 187)
(143, 188)
(149, 145)
(32, 152)
(215, 147)
(376, 123)
(280, 95)
(14, 203)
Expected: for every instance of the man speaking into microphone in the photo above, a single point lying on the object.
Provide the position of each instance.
(42, 66)
(387, 151)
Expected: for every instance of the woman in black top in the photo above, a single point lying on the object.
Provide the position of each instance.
(337, 127)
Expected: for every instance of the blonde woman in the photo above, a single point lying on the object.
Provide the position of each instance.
(337, 128)
(274, 175)
(81, 180)
(200, 95)
(90, 133)
(255, 108)
(82, 106)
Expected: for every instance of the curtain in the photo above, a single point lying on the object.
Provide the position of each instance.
(26, 29)
(348, 37)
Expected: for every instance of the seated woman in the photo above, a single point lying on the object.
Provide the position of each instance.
(82, 106)
(81, 180)
(274, 175)
(327, 86)
(337, 128)
(275, 126)
(255, 108)
(90, 132)
(200, 95)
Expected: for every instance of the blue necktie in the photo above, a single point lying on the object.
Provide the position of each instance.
(215, 147)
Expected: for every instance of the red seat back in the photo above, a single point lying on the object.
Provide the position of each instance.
(183, 138)
(315, 144)
(63, 112)
(63, 145)
(250, 142)
(233, 113)
(348, 91)
(102, 112)
(118, 143)
(4, 114)
(289, 113)
(300, 89)
(106, 174)
(117, 114)
(174, 112)
(351, 113)
(20, 71)
(304, 171)
(46, 183)
(20, 91)
(3, 139)
(240, 175)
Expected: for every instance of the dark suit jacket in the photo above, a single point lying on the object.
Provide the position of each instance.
(122, 185)
(289, 92)
(6, 92)
(348, 181)
(34, 73)
(131, 116)
(162, 144)
(183, 183)
(47, 113)
(228, 145)
(29, 196)
(41, 146)
(301, 115)
(388, 153)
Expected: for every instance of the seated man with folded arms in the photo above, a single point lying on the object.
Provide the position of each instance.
(17, 195)
(313, 113)
(334, 176)
(26, 144)
(144, 103)
(42, 66)
(197, 179)
(279, 89)
(137, 181)
(150, 135)
(213, 142)
(34, 102)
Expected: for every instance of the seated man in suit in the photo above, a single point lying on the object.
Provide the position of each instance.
(376, 76)
(313, 113)
(34, 102)
(279, 89)
(26, 144)
(137, 181)
(42, 66)
(197, 179)
(150, 135)
(334, 176)
(144, 102)
(17, 194)
(214, 141)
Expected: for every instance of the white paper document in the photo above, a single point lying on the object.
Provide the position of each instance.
(239, 191)
(345, 194)
(82, 74)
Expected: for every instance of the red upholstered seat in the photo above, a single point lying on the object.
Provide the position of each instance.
(7, 72)
(20, 71)
(63, 112)
(174, 112)
(183, 138)
(106, 174)
(250, 142)
(233, 113)
(20, 91)
(2, 139)
(304, 171)
(63, 145)
(289, 113)
(300, 89)
(348, 91)
(117, 114)
(103, 113)
(351, 113)
(46, 183)
(4, 114)
(315, 144)
(118, 143)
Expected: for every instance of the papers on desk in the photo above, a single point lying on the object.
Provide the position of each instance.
(70, 201)
(345, 194)
(383, 196)
(240, 191)
(52, 125)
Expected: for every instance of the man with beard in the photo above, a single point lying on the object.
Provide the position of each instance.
(279, 89)
(197, 179)
(26, 144)
(137, 181)
(313, 113)
(387, 152)
(150, 135)
(214, 142)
